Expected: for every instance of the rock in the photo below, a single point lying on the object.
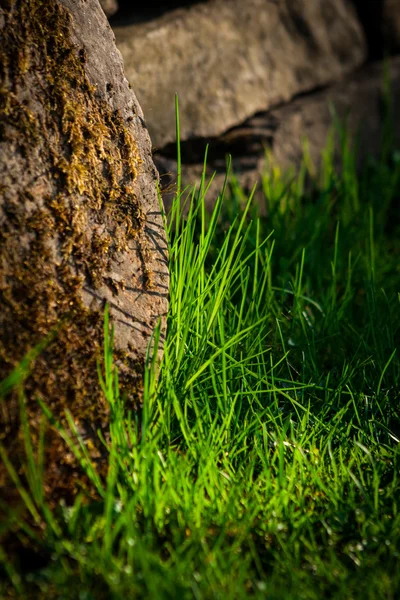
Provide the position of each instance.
(228, 59)
(110, 7)
(358, 98)
(79, 224)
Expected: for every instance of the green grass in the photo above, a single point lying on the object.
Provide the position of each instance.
(265, 462)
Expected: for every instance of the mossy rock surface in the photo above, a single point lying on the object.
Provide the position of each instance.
(80, 224)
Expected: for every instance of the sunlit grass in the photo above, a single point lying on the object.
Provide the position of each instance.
(265, 462)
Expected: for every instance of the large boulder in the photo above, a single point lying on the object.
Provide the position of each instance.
(80, 223)
(358, 100)
(228, 59)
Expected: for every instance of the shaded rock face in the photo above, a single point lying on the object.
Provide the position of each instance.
(79, 223)
(381, 21)
(391, 26)
(359, 99)
(229, 59)
(132, 11)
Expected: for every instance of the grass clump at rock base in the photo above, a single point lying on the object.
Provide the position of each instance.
(265, 462)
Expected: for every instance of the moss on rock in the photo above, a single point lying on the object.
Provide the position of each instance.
(67, 209)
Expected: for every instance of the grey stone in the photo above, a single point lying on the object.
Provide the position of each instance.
(358, 100)
(228, 59)
(79, 223)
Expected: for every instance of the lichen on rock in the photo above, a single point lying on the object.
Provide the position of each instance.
(72, 210)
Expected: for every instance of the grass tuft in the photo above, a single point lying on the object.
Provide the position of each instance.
(265, 461)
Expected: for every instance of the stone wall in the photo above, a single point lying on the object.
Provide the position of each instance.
(228, 60)
(254, 75)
